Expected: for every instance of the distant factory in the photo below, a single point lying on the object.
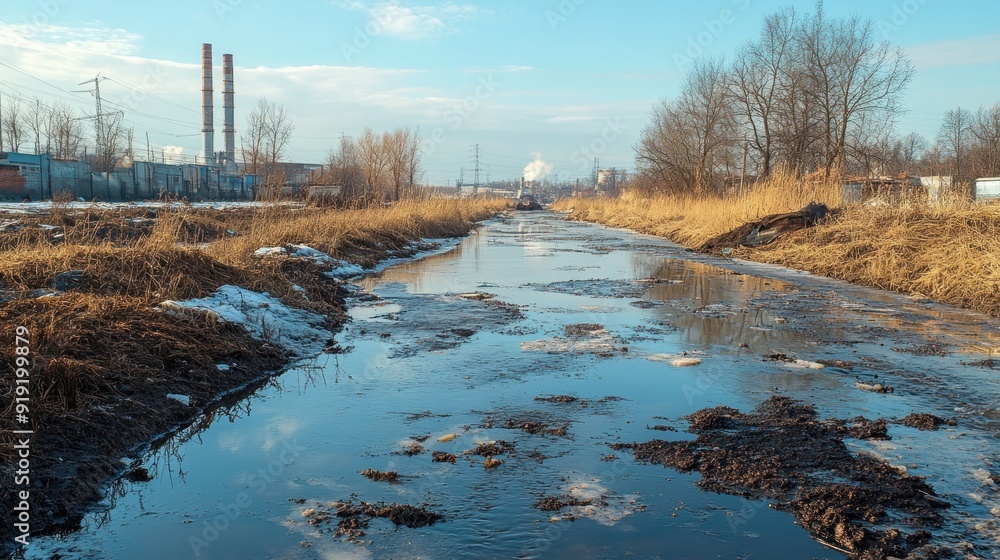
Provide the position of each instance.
(214, 175)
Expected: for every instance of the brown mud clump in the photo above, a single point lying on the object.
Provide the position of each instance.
(564, 399)
(411, 450)
(442, 457)
(583, 329)
(783, 452)
(536, 428)
(498, 447)
(354, 519)
(556, 503)
(381, 476)
(538, 423)
(926, 422)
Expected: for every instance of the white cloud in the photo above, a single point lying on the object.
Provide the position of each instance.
(411, 22)
(81, 39)
(968, 51)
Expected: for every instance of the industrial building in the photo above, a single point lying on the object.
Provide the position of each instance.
(218, 177)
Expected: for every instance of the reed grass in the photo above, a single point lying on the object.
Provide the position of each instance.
(106, 333)
(945, 252)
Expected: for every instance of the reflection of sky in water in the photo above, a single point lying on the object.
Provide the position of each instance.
(358, 410)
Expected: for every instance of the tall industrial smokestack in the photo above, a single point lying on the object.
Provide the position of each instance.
(229, 127)
(207, 116)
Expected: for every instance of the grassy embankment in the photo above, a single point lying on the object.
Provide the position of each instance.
(949, 253)
(103, 358)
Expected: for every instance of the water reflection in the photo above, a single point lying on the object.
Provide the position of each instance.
(346, 413)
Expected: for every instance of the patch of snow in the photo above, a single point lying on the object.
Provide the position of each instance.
(344, 270)
(598, 341)
(183, 399)
(676, 360)
(222, 367)
(605, 507)
(269, 252)
(805, 364)
(265, 317)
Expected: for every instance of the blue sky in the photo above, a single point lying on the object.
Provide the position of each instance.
(566, 79)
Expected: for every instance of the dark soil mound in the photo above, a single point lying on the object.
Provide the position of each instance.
(442, 457)
(355, 518)
(768, 228)
(557, 399)
(783, 452)
(498, 447)
(925, 421)
(556, 503)
(380, 476)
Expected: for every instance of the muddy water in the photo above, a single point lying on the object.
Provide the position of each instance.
(431, 360)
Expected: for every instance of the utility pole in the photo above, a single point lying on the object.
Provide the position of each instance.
(475, 183)
(98, 119)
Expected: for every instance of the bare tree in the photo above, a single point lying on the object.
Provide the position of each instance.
(401, 152)
(758, 83)
(65, 131)
(849, 75)
(954, 138)
(986, 132)
(14, 125)
(373, 162)
(264, 141)
(912, 147)
(413, 160)
(110, 142)
(344, 168)
(690, 137)
(37, 118)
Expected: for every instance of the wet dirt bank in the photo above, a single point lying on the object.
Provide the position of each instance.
(120, 374)
(784, 452)
(497, 417)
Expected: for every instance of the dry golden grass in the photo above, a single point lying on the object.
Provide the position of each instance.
(949, 253)
(359, 235)
(690, 219)
(87, 343)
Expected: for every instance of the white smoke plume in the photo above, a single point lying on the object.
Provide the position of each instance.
(173, 154)
(538, 169)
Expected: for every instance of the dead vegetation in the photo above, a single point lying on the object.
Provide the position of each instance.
(782, 451)
(103, 357)
(948, 253)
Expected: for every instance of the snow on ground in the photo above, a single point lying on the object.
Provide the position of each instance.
(338, 269)
(44, 207)
(265, 317)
